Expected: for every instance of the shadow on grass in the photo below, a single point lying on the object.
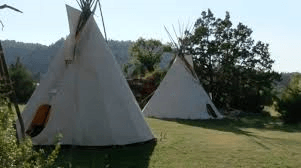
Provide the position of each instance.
(129, 156)
(236, 125)
(225, 125)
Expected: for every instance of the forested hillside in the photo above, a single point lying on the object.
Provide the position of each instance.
(36, 57)
(286, 78)
(120, 50)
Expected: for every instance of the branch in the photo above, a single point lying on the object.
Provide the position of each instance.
(10, 7)
(2, 25)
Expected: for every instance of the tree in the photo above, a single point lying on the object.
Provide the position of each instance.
(235, 69)
(289, 105)
(22, 81)
(146, 55)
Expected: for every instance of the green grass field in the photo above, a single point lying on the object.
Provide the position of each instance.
(245, 142)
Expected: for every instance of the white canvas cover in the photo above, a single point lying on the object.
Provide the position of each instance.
(180, 95)
(91, 102)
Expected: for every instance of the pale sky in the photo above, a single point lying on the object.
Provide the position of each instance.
(276, 22)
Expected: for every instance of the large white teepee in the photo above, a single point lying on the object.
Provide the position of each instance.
(88, 100)
(180, 95)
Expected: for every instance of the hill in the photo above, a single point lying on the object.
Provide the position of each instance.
(36, 57)
(286, 78)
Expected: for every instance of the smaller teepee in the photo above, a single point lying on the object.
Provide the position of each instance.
(180, 95)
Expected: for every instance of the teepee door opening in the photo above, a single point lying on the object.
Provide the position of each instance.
(39, 121)
(210, 111)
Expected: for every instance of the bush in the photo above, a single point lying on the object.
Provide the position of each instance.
(156, 76)
(290, 103)
(291, 110)
(14, 154)
(22, 80)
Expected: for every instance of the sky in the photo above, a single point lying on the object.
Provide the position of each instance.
(276, 22)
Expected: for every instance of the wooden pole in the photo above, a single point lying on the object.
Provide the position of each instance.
(10, 7)
(103, 22)
(12, 97)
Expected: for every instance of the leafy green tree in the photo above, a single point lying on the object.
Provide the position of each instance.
(231, 65)
(289, 104)
(146, 55)
(22, 81)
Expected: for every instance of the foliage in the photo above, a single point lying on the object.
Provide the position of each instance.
(235, 69)
(28, 46)
(14, 154)
(290, 103)
(22, 81)
(286, 78)
(146, 55)
(156, 76)
(144, 88)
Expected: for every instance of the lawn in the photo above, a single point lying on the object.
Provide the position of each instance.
(246, 142)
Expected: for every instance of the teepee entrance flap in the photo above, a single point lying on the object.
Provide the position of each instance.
(39, 120)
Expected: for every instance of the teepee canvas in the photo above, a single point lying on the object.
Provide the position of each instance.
(84, 96)
(180, 95)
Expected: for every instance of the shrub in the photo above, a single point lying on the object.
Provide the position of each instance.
(289, 105)
(14, 154)
(22, 80)
(156, 76)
